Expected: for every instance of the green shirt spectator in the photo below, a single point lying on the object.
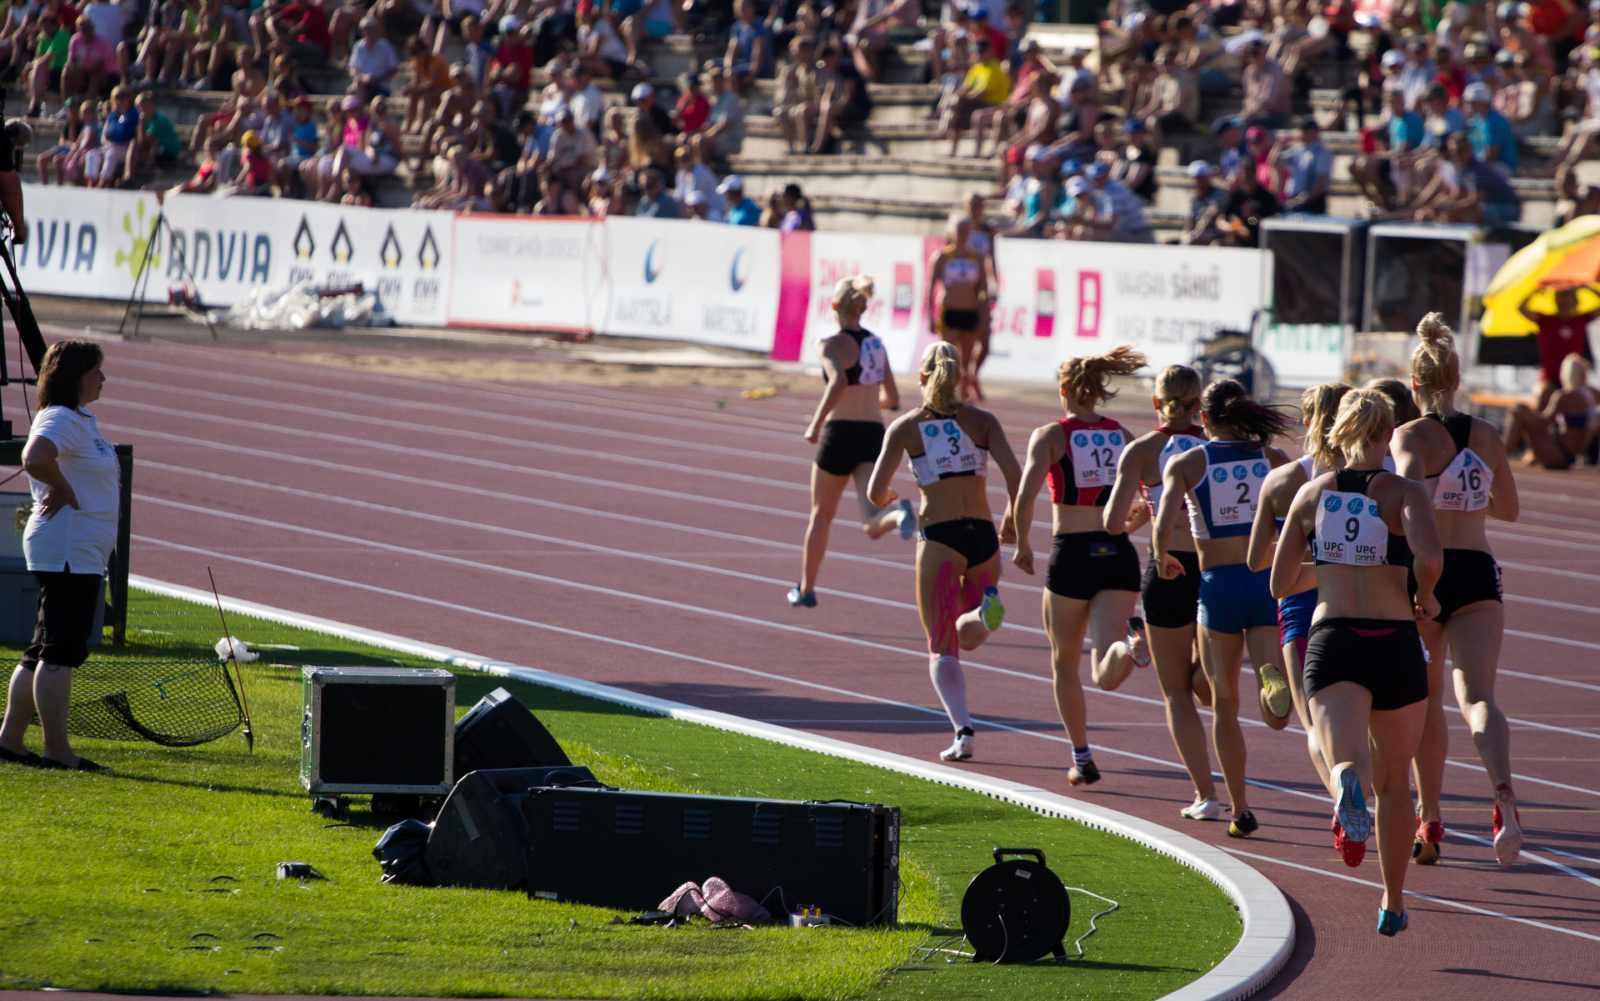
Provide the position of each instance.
(160, 127)
(55, 47)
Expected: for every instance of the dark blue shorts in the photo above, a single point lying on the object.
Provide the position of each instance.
(1232, 599)
(1294, 616)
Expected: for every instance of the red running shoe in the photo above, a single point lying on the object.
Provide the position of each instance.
(1425, 849)
(1338, 835)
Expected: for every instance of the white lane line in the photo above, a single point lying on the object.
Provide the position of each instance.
(710, 612)
(770, 676)
(1553, 681)
(1553, 571)
(1412, 893)
(1547, 603)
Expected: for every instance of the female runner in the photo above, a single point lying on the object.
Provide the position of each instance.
(1319, 405)
(859, 384)
(964, 273)
(982, 243)
(1169, 605)
(1365, 673)
(958, 558)
(1461, 462)
(1221, 480)
(1093, 577)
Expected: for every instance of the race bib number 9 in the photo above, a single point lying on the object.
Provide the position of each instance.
(873, 361)
(1350, 532)
(1094, 457)
(948, 447)
(1235, 488)
(1464, 485)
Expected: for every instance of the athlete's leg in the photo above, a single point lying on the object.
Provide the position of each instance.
(1475, 632)
(1066, 620)
(939, 571)
(1172, 653)
(1224, 654)
(1264, 651)
(1434, 744)
(875, 520)
(970, 628)
(826, 488)
(1294, 655)
(1394, 737)
(967, 347)
(1110, 661)
(980, 352)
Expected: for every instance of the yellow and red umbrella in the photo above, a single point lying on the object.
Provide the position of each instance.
(1563, 258)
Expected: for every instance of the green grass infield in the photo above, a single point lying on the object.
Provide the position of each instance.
(107, 879)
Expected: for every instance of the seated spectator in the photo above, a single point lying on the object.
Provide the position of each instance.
(1525, 98)
(1492, 139)
(559, 199)
(1419, 75)
(600, 48)
(986, 86)
(1568, 195)
(654, 202)
(573, 151)
(1310, 171)
(1385, 176)
(1239, 222)
(355, 190)
(1078, 212)
(247, 82)
(1174, 102)
(490, 141)
(50, 61)
(1229, 133)
(1205, 207)
(208, 177)
(695, 207)
(91, 63)
(207, 44)
(602, 196)
(459, 187)
(655, 19)
(1039, 195)
(1123, 213)
(255, 170)
(870, 33)
(1465, 190)
(692, 175)
(285, 81)
(692, 110)
(303, 143)
(1562, 333)
(796, 210)
(453, 116)
(1449, 76)
(56, 155)
(298, 28)
(845, 100)
(1563, 429)
(430, 78)
(614, 138)
(749, 55)
(1078, 123)
(723, 135)
(772, 213)
(650, 137)
(798, 99)
(1135, 166)
(103, 167)
(1011, 115)
(157, 51)
(1266, 90)
(1040, 122)
(741, 211)
(373, 62)
(316, 174)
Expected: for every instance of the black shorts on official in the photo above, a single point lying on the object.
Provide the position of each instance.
(961, 319)
(1082, 564)
(1469, 576)
(67, 603)
(1172, 604)
(844, 445)
(974, 538)
(1384, 656)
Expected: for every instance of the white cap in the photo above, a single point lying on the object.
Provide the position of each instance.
(1033, 153)
(733, 182)
(1199, 168)
(1476, 92)
(642, 91)
(694, 197)
(1077, 186)
(1393, 57)
(509, 23)
(600, 176)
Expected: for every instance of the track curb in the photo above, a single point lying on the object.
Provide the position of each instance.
(1264, 945)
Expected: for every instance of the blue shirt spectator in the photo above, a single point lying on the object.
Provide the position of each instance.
(741, 210)
(1310, 166)
(1489, 130)
(748, 34)
(1405, 130)
(121, 126)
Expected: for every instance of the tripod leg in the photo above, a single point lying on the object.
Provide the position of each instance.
(141, 285)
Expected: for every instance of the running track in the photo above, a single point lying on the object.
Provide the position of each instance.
(644, 538)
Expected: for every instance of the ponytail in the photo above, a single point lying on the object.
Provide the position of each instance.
(1083, 380)
(942, 366)
(1320, 404)
(1400, 398)
(851, 295)
(1174, 384)
(1435, 366)
(1364, 416)
(1227, 405)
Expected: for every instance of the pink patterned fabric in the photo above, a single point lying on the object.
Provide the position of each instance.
(716, 902)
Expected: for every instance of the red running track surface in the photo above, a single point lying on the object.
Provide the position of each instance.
(645, 538)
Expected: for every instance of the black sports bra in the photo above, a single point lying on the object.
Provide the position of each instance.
(1353, 547)
(1460, 428)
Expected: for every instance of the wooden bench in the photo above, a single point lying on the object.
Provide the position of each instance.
(1493, 407)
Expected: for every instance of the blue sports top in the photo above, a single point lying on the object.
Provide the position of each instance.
(1223, 504)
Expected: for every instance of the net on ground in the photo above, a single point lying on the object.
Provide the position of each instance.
(171, 703)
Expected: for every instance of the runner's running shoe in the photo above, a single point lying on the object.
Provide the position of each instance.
(1507, 830)
(1356, 823)
(1425, 849)
(1202, 809)
(908, 519)
(799, 600)
(1083, 775)
(1338, 835)
(961, 750)
(1277, 692)
(1138, 643)
(1243, 825)
(992, 612)
(1392, 924)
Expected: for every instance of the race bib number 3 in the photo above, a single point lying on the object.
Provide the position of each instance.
(1094, 457)
(873, 361)
(1464, 485)
(1235, 487)
(1350, 532)
(948, 447)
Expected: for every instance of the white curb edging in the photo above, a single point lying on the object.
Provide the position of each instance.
(1264, 945)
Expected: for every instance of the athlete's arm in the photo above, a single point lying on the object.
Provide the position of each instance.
(834, 373)
(1175, 486)
(894, 446)
(888, 392)
(1125, 488)
(1264, 530)
(1286, 562)
(1522, 307)
(1503, 501)
(1406, 447)
(935, 275)
(1001, 455)
(1427, 554)
(1043, 452)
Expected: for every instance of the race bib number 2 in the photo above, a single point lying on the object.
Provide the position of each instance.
(949, 448)
(1235, 488)
(1094, 457)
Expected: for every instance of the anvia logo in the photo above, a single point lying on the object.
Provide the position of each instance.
(652, 263)
(737, 276)
(304, 245)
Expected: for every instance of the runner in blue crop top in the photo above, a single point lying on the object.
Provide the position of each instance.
(1222, 481)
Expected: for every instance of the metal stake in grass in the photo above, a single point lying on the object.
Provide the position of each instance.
(249, 738)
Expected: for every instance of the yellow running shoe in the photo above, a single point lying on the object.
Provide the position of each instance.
(1277, 692)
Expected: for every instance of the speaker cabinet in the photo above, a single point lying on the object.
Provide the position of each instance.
(500, 732)
(630, 850)
(377, 730)
(479, 837)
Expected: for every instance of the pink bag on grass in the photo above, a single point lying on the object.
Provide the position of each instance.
(716, 902)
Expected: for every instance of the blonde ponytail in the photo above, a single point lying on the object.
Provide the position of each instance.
(851, 295)
(1173, 386)
(1320, 404)
(1435, 366)
(1083, 380)
(942, 366)
(1364, 416)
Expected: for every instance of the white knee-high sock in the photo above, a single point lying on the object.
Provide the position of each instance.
(951, 685)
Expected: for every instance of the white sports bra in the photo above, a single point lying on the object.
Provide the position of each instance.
(947, 451)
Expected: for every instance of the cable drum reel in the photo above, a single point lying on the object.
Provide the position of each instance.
(1016, 910)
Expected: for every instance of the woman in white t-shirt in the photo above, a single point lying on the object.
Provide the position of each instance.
(69, 538)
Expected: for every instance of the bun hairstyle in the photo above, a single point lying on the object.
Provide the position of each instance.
(1083, 380)
(1574, 371)
(1175, 384)
(942, 366)
(1227, 405)
(1400, 398)
(1364, 416)
(1320, 404)
(851, 295)
(1435, 366)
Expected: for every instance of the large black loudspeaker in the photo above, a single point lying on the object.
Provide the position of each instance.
(500, 732)
(630, 850)
(479, 836)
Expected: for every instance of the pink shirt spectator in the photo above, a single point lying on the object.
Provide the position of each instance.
(354, 128)
(98, 54)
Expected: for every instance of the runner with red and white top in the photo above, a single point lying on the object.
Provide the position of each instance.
(1093, 577)
(1170, 606)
